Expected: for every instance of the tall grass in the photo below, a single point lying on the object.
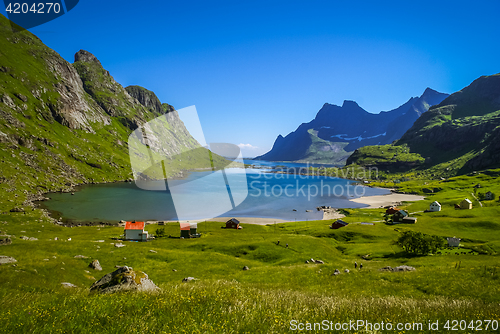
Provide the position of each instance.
(220, 307)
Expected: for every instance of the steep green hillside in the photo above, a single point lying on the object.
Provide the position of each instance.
(63, 124)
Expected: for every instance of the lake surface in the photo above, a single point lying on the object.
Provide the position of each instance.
(269, 195)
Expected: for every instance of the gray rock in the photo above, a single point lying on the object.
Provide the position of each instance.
(17, 209)
(246, 268)
(403, 268)
(68, 285)
(7, 259)
(6, 241)
(124, 279)
(320, 262)
(346, 271)
(398, 269)
(188, 279)
(119, 245)
(95, 265)
(23, 237)
(336, 272)
(152, 251)
(81, 257)
(307, 261)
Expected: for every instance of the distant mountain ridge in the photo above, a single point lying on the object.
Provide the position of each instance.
(336, 131)
(459, 135)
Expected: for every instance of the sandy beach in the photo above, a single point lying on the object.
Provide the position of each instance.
(376, 202)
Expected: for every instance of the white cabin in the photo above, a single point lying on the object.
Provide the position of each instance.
(435, 206)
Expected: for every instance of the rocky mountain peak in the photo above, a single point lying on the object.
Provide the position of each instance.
(146, 97)
(350, 103)
(87, 57)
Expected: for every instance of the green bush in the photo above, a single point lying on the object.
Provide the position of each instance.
(419, 243)
(160, 232)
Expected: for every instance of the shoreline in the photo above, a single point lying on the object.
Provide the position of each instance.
(371, 202)
(380, 201)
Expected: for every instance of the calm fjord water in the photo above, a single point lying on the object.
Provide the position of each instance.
(270, 195)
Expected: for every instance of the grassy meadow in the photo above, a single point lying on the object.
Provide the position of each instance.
(280, 286)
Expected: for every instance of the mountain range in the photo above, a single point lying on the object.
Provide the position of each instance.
(337, 131)
(459, 135)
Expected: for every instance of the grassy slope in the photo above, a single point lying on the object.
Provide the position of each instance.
(38, 154)
(279, 285)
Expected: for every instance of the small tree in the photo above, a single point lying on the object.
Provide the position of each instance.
(419, 243)
(160, 232)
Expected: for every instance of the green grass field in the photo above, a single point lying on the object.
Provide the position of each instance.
(278, 288)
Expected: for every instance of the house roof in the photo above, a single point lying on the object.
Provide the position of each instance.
(340, 221)
(436, 203)
(134, 225)
(233, 220)
(467, 200)
(185, 226)
(402, 213)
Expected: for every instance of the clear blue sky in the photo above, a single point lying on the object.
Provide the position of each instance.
(256, 69)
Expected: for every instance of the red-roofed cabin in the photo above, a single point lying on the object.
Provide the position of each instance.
(392, 210)
(338, 224)
(135, 231)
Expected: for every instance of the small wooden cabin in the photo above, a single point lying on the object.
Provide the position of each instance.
(435, 206)
(399, 215)
(489, 196)
(185, 230)
(189, 230)
(466, 204)
(338, 224)
(453, 242)
(233, 223)
(409, 220)
(391, 210)
(135, 231)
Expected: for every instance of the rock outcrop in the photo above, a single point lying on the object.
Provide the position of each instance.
(95, 265)
(124, 279)
(7, 259)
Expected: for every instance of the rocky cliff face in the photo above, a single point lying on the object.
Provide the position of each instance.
(336, 131)
(147, 98)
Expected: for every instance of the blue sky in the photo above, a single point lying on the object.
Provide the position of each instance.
(256, 69)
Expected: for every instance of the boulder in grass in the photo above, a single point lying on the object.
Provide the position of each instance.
(246, 268)
(188, 279)
(336, 272)
(124, 279)
(319, 262)
(398, 269)
(95, 265)
(68, 285)
(119, 245)
(403, 268)
(6, 241)
(81, 257)
(7, 259)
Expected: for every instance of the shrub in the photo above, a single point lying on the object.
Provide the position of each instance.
(160, 232)
(419, 243)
